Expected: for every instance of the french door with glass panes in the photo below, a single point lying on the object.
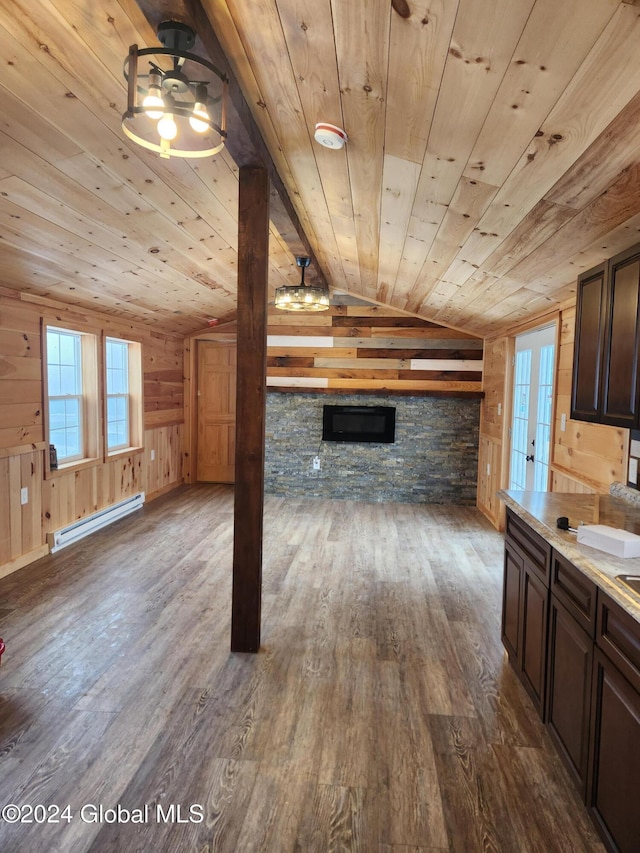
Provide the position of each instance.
(532, 409)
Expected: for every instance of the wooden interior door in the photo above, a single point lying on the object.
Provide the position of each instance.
(216, 412)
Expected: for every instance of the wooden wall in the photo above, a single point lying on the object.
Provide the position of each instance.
(495, 413)
(349, 349)
(358, 347)
(65, 497)
(585, 458)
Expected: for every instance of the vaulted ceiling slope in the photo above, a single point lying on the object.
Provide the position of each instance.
(493, 154)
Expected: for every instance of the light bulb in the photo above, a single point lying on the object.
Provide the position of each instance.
(194, 121)
(167, 127)
(154, 98)
(150, 104)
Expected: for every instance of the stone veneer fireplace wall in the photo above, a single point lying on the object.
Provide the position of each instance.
(434, 458)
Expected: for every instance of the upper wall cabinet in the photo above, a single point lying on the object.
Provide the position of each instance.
(589, 344)
(620, 373)
(605, 367)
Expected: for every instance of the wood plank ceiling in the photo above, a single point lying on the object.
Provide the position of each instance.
(493, 153)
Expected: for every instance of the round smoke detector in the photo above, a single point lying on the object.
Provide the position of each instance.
(329, 135)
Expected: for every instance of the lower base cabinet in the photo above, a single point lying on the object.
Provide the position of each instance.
(511, 586)
(535, 598)
(569, 690)
(613, 794)
(577, 653)
(525, 604)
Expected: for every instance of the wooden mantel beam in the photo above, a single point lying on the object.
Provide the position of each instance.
(244, 143)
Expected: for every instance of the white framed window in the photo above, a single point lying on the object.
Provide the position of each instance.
(64, 378)
(123, 395)
(93, 391)
(117, 370)
(72, 395)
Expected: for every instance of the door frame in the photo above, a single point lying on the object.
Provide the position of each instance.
(555, 324)
(540, 323)
(225, 335)
(500, 394)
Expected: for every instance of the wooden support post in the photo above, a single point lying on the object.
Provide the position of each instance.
(253, 260)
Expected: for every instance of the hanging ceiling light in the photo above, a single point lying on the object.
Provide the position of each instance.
(176, 102)
(302, 297)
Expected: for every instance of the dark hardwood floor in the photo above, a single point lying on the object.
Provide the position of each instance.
(380, 714)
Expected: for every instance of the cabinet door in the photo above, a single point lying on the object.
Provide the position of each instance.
(513, 570)
(589, 345)
(620, 366)
(615, 767)
(533, 647)
(569, 690)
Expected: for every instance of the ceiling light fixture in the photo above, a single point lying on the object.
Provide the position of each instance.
(302, 297)
(176, 105)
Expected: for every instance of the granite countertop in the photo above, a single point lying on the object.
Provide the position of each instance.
(542, 509)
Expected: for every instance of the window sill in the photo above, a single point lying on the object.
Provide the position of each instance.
(125, 451)
(70, 467)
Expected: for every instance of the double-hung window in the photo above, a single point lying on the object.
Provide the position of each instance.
(118, 419)
(94, 396)
(65, 394)
(72, 387)
(123, 395)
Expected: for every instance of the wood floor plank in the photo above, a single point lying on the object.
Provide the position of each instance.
(272, 815)
(474, 808)
(341, 819)
(381, 713)
(547, 827)
(411, 810)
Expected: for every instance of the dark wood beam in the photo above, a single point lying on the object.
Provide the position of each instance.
(244, 142)
(253, 266)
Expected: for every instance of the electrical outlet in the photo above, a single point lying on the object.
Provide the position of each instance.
(488, 469)
(153, 455)
(24, 495)
(499, 409)
(316, 463)
(563, 423)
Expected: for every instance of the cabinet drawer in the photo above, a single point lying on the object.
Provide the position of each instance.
(576, 591)
(618, 635)
(529, 543)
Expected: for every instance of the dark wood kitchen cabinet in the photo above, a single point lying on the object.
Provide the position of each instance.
(620, 365)
(605, 386)
(588, 344)
(525, 605)
(572, 617)
(581, 667)
(512, 584)
(614, 768)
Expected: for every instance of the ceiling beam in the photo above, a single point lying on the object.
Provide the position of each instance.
(244, 140)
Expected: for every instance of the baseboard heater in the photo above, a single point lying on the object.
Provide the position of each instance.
(79, 529)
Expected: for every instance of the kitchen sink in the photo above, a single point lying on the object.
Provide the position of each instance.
(632, 581)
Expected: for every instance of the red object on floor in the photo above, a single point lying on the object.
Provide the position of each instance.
(2, 648)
